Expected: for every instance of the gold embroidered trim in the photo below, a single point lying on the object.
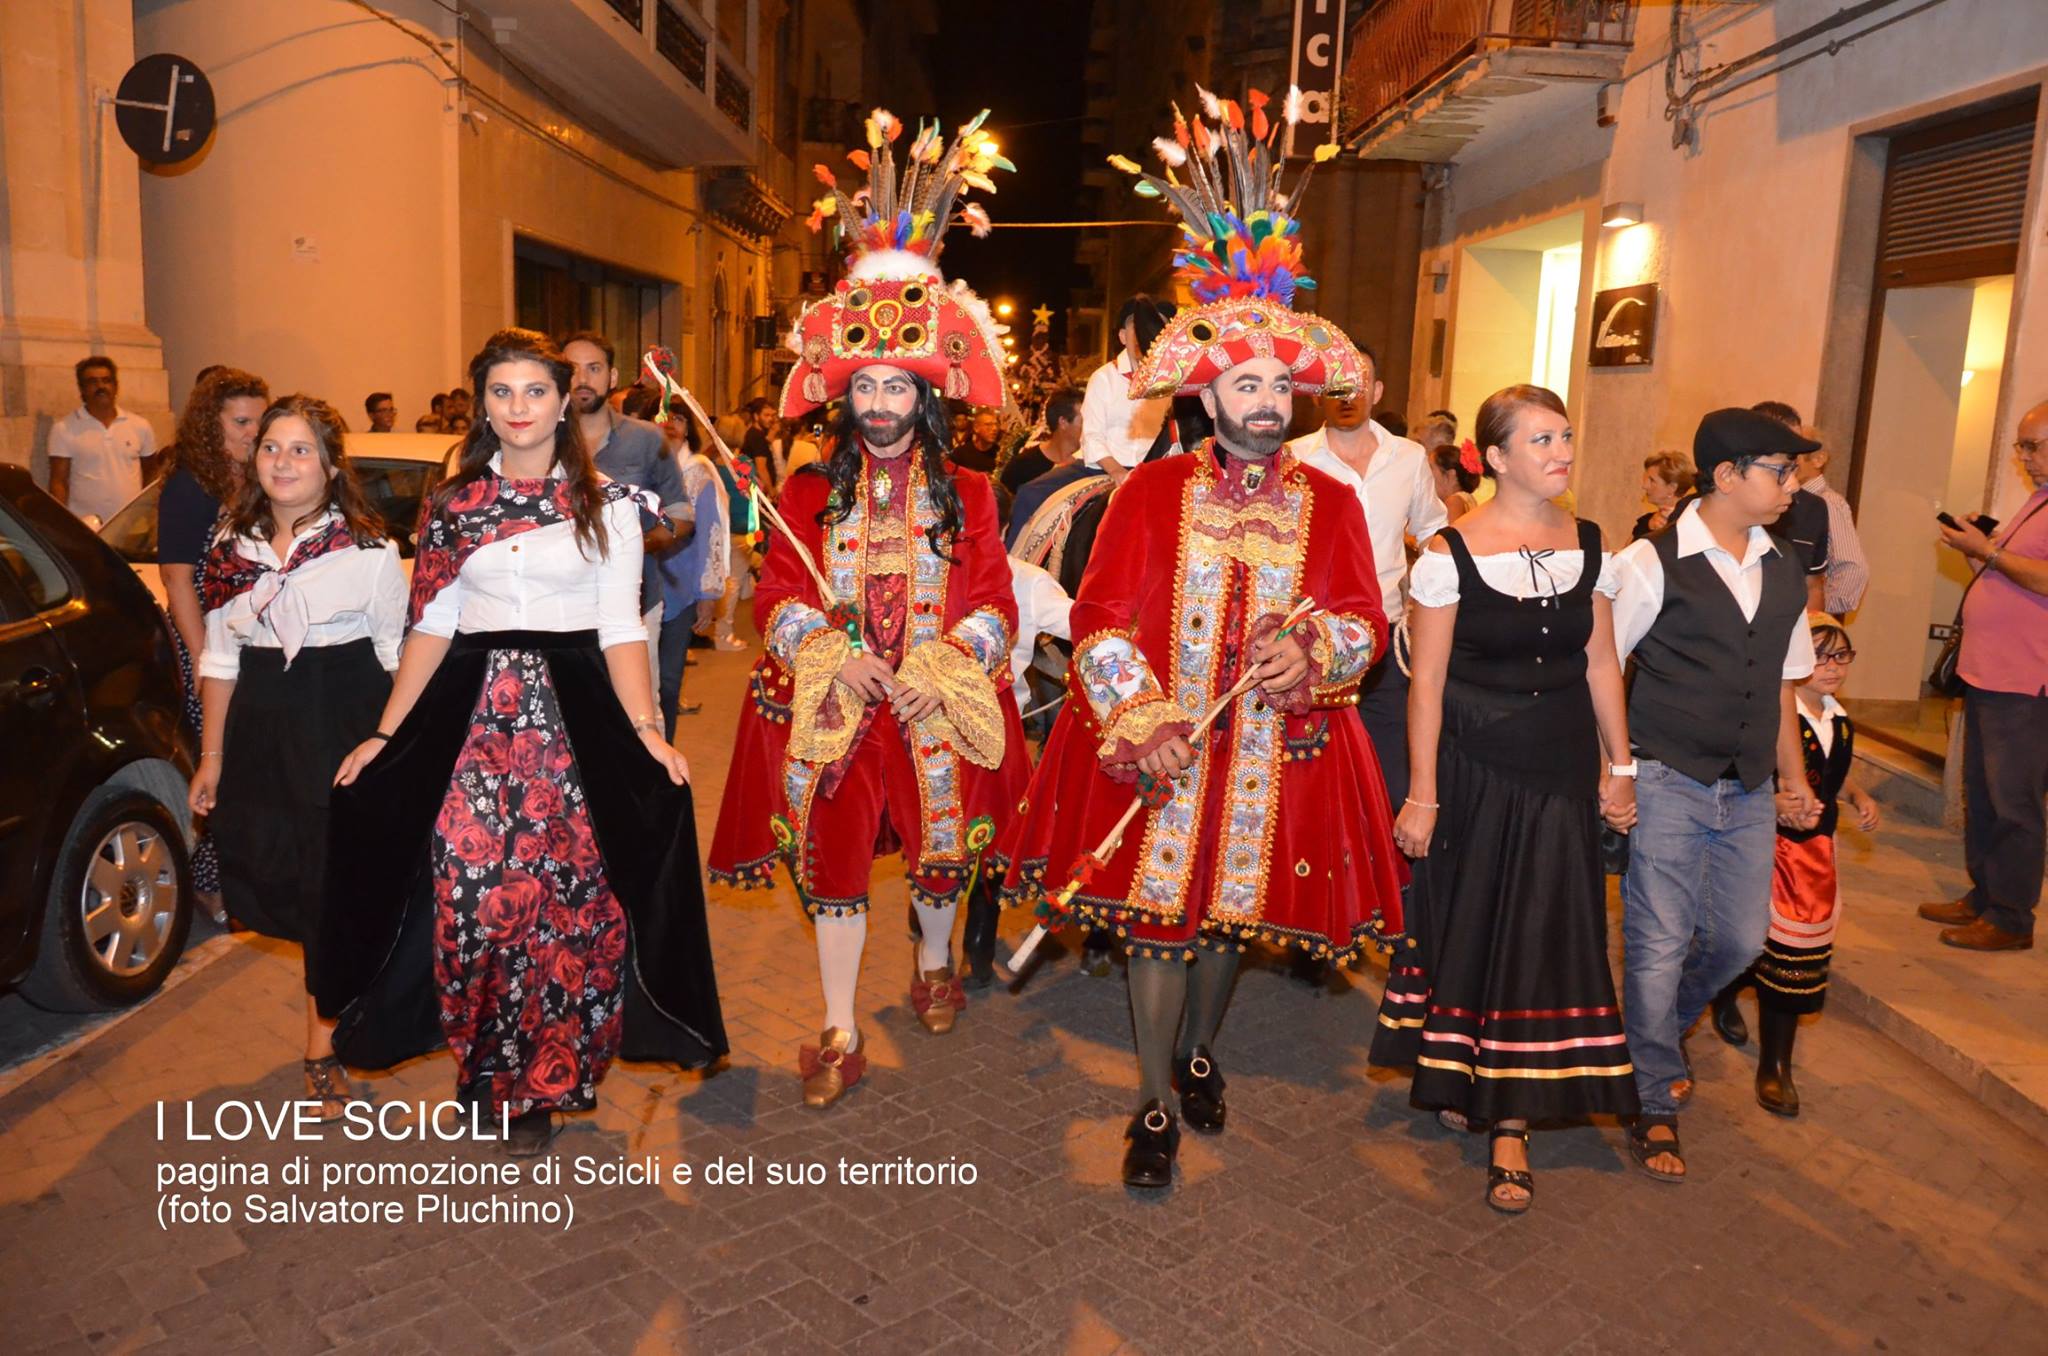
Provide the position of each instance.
(824, 713)
(970, 716)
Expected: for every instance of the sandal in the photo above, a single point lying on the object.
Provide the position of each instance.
(1642, 1148)
(1498, 1176)
(327, 1084)
(1453, 1120)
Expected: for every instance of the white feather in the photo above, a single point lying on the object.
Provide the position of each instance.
(1210, 104)
(892, 264)
(1291, 109)
(1170, 151)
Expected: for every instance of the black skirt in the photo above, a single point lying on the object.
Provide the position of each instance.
(375, 972)
(1505, 1005)
(286, 735)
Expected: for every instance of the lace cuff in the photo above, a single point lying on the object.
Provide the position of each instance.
(1297, 699)
(824, 713)
(970, 714)
(1136, 728)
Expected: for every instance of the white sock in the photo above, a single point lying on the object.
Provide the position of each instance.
(840, 941)
(935, 935)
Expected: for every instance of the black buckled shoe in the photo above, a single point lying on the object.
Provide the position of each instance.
(1154, 1136)
(1201, 1091)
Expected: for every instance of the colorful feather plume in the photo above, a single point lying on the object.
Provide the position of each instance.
(1238, 228)
(910, 212)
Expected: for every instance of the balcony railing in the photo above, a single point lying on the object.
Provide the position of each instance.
(1401, 46)
(732, 95)
(679, 42)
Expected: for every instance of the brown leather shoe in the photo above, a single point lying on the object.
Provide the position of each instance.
(1981, 934)
(829, 1068)
(1954, 913)
(938, 999)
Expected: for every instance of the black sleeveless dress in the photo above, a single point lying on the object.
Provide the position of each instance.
(1505, 1005)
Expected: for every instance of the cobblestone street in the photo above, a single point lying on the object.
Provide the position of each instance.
(1897, 1214)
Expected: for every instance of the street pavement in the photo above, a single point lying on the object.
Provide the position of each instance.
(1898, 1214)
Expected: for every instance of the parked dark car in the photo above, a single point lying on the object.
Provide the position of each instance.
(95, 878)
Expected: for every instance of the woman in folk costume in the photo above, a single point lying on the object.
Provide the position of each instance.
(513, 861)
(304, 603)
(1518, 730)
(881, 718)
(1235, 572)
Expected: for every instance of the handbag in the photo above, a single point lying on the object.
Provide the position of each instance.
(1943, 677)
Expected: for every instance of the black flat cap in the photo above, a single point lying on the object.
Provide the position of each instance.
(1731, 434)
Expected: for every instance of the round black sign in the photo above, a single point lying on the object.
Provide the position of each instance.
(164, 108)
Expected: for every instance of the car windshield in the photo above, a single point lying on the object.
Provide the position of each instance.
(394, 488)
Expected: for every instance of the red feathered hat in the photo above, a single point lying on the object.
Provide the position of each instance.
(894, 307)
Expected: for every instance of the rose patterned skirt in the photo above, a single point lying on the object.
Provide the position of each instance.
(515, 878)
(528, 937)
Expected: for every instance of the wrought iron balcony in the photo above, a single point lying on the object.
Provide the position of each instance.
(1424, 78)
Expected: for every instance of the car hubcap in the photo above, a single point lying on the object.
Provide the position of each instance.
(130, 898)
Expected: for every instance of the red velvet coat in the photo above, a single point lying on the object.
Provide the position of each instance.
(1281, 828)
(919, 790)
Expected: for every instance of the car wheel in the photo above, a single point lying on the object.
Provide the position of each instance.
(119, 908)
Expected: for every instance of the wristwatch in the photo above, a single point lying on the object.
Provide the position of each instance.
(1627, 769)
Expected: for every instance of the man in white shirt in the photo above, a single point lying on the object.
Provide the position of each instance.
(1117, 430)
(98, 450)
(1391, 477)
(1848, 569)
(1711, 716)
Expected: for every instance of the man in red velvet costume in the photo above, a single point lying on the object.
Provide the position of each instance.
(1274, 823)
(881, 719)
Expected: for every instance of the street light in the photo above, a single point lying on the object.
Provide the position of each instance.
(1006, 308)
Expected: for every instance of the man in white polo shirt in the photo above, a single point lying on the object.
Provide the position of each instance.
(97, 451)
(1391, 477)
(1117, 428)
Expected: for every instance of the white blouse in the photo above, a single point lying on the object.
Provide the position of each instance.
(1434, 580)
(540, 580)
(356, 593)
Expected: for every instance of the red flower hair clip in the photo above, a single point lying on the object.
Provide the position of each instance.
(1468, 458)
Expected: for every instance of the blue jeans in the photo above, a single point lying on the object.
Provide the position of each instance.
(1696, 903)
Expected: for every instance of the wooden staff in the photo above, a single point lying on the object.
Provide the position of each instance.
(672, 387)
(1098, 859)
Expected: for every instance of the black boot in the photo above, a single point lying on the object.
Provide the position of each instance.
(1200, 1086)
(1154, 1134)
(1776, 1031)
(1728, 1023)
(978, 936)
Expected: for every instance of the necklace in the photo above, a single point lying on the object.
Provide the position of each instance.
(885, 485)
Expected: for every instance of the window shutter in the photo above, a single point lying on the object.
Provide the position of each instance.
(1955, 196)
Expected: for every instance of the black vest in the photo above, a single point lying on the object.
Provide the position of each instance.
(1706, 688)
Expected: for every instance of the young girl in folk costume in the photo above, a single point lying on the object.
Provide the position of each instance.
(1792, 974)
(304, 603)
(513, 868)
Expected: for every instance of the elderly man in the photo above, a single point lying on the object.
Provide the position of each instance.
(2004, 660)
(1232, 575)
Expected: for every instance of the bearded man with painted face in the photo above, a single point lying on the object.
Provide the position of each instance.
(1273, 824)
(880, 718)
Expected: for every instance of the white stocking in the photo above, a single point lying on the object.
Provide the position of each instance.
(935, 935)
(839, 946)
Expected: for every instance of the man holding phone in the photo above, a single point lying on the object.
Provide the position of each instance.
(2004, 661)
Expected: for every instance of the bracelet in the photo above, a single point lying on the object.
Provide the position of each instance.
(379, 734)
(647, 723)
(1992, 559)
(212, 753)
(1422, 804)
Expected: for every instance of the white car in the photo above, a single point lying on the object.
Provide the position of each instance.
(396, 469)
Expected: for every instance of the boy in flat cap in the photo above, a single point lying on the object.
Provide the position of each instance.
(1713, 610)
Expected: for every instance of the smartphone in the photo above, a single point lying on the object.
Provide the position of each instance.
(1944, 518)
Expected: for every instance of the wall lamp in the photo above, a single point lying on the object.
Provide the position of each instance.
(1621, 214)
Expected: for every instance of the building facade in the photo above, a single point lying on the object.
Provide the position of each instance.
(1661, 208)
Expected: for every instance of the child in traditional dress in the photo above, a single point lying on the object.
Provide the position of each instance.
(1792, 974)
(304, 602)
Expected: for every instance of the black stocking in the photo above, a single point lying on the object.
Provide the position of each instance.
(1209, 981)
(1159, 989)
